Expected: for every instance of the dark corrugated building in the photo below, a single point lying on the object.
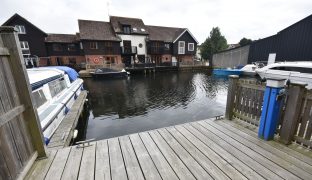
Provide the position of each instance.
(291, 44)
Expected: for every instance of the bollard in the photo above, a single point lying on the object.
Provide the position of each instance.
(270, 110)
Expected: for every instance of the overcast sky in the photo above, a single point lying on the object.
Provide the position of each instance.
(236, 18)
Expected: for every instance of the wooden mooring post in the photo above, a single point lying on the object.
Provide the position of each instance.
(231, 96)
(292, 112)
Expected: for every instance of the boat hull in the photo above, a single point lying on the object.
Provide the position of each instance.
(226, 72)
(110, 75)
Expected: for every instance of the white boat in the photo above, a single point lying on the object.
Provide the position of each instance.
(292, 71)
(250, 69)
(54, 91)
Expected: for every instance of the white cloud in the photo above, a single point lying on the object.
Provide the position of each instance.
(236, 19)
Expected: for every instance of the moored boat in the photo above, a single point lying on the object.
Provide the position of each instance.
(300, 71)
(54, 91)
(109, 73)
(226, 72)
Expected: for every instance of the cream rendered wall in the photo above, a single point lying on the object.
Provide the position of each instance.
(135, 41)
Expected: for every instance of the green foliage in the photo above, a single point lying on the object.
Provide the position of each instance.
(244, 41)
(214, 43)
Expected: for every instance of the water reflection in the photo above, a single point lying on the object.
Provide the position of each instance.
(142, 103)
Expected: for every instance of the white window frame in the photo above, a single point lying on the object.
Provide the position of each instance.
(188, 46)
(24, 45)
(96, 45)
(20, 29)
(181, 49)
(81, 46)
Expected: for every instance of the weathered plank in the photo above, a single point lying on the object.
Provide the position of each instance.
(175, 162)
(58, 165)
(118, 170)
(11, 114)
(72, 166)
(4, 170)
(41, 167)
(222, 158)
(102, 166)
(132, 166)
(255, 161)
(147, 165)
(87, 165)
(161, 163)
(192, 163)
(265, 149)
(267, 159)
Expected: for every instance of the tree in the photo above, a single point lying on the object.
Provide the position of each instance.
(216, 42)
(244, 41)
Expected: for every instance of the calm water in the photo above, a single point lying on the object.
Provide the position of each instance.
(140, 103)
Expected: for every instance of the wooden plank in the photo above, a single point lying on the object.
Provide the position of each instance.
(132, 165)
(72, 166)
(159, 160)
(252, 86)
(8, 116)
(200, 165)
(250, 158)
(175, 162)
(59, 162)
(245, 118)
(188, 131)
(305, 119)
(147, 165)
(252, 136)
(41, 167)
(231, 96)
(17, 66)
(281, 167)
(259, 146)
(102, 166)
(4, 51)
(118, 170)
(4, 170)
(87, 165)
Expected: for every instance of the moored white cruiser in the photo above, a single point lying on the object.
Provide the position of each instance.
(54, 91)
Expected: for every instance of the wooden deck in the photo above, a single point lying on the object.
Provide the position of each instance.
(209, 149)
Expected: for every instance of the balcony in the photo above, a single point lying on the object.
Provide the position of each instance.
(156, 50)
(128, 50)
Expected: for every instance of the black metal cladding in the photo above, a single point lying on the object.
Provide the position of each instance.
(291, 44)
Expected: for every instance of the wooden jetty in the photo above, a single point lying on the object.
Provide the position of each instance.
(208, 149)
(64, 133)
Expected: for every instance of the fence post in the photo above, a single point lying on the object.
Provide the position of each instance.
(17, 65)
(231, 96)
(292, 112)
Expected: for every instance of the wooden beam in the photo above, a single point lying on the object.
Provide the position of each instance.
(11, 114)
(11, 42)
(231, 96)
(292, 112)
(4, 51)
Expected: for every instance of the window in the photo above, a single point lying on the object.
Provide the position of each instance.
(181, 49)
(190, 46)
(126, 29)
(296, 69)
(108, 47)
(143, 30)
(134, 29)
(110, 60)
(20, 29)
(57, 86)
(71, 47)
(24, 45)
(39, 98)
(167, 46)
(93, 45)
(57, 47)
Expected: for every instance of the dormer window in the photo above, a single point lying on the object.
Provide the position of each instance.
(143, 30)
(134, 29)
(126, 29)
(20, 29)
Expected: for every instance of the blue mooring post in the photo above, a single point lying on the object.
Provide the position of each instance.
(270, 109)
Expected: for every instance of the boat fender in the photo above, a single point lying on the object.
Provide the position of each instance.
(263, 79)
(75, 134)
(75, 96)
(46, 140)
(66, 110)
(81, 88)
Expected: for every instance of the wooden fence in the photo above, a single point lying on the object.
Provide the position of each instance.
(20, 133)
(245, 100)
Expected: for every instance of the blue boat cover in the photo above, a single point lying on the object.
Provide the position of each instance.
(72, 74)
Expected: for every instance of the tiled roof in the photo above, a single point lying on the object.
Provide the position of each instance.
(167, 34)
(61, 38)
(96, 30)
(136, 23)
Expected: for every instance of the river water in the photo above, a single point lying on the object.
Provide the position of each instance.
(140, 103)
